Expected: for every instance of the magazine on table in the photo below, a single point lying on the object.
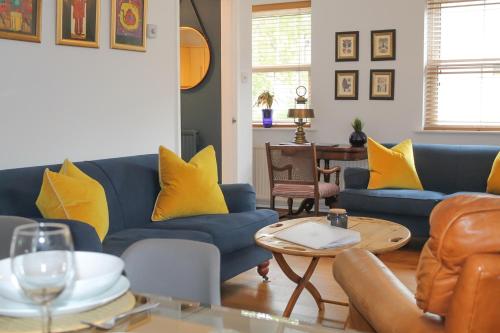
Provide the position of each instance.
(319, 236)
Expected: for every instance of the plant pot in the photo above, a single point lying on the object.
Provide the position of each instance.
(358, 139)
(267, 118)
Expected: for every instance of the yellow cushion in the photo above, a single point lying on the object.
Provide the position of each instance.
(494, 179)
(71, 194)
(392, 168)
(188, 189)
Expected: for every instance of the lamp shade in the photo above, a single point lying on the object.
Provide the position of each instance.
(301, 113)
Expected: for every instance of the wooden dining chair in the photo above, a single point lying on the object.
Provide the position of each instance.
(294, 174)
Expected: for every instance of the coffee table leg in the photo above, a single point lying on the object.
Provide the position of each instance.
(302, 282)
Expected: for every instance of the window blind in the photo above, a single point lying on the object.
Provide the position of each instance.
(463, 65)
(281, 56)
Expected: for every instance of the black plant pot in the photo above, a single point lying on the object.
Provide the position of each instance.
(358, 139)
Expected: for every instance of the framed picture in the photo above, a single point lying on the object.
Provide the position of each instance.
(78, 22)
(383, 45)
(347, 46)
(346, 85)
(128, 24)
(20, 20)
(382, 84)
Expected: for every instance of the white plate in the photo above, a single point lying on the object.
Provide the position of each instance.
(16, 309)
(96, 272)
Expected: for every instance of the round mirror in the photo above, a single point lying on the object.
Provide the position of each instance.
(195, 57)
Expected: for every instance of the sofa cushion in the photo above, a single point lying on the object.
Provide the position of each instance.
(389, 201)
(118, 242)
(230, 232)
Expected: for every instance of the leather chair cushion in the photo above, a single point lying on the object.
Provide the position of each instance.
(460, 227)
(326, 190)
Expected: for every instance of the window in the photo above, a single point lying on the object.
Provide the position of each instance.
(463, 65)
(281, 58)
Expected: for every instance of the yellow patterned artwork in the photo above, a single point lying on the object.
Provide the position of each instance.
(128, 24)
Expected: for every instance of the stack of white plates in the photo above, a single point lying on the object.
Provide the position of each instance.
(98, 281)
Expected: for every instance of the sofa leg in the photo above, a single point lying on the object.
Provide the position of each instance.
(263, 270)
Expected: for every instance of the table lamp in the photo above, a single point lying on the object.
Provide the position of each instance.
(301, 115)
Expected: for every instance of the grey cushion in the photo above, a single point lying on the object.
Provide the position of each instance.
(118, 242)
(391, 201)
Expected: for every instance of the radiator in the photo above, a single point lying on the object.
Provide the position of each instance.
(189, 144)
(261, 176)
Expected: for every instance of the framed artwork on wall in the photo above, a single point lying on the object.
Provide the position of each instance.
(346, 85)
(347, 46)
(78, 22)
(128, 24)
(382, 84)
(20, 20)
(383, 45)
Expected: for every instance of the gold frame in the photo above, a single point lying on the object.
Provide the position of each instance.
(118, 46)
(209, 56)
(71, 42)
(37, 38)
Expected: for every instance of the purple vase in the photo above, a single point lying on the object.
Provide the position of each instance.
(267, 118)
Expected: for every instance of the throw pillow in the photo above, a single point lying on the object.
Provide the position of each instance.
(73, 195)
(188, 189)
(494, 179)
(392, 168)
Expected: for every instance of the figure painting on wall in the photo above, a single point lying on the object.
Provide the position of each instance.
(128, 24)
(78, 22)
(20, 20)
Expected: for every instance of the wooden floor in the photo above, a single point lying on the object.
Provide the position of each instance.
(248, 291)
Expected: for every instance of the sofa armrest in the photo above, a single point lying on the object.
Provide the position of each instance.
(239, 197)
(356, 178)
(84, 235)
(379, 297)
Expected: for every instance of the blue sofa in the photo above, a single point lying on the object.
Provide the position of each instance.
(131, 185)
(444, 170)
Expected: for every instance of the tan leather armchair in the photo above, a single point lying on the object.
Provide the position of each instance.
(458, 276)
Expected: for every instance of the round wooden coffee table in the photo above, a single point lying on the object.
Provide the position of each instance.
(377, 236)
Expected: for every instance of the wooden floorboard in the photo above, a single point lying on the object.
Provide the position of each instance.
(247, 291)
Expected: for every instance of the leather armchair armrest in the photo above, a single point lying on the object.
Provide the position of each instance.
(377, 294)
(239, 197)
(476, 299)
(356, 178)
(84, 235)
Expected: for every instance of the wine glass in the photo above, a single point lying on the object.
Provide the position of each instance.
(43, 263)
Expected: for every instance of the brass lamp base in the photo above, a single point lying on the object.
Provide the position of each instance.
(300, 134)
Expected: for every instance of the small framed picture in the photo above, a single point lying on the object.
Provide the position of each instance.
(382, 84)
(383, 45)
(128, 24)
(20, 20)
(346, 85)
(347, 46)
(78, 22)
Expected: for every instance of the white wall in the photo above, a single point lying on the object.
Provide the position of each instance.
(61, 102)
(386, 121)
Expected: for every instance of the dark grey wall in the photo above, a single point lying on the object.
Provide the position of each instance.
(201, 106)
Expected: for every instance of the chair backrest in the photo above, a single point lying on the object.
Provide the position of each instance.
(464, 229)
(7, 226)
(292, 164)
(176, 268)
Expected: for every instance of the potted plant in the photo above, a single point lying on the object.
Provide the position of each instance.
(266, 100)
(358, 138)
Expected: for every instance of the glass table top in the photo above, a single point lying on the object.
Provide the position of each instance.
(181, 316)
